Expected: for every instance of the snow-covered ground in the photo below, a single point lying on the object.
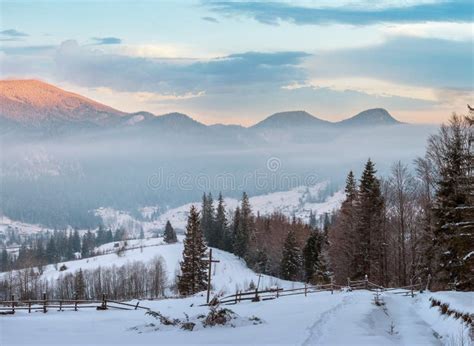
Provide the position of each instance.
(300, 202)
(344, 318)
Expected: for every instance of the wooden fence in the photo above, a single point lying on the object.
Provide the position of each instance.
(8, 307)
(269, 294)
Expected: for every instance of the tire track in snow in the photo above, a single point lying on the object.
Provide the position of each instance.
(316, 331)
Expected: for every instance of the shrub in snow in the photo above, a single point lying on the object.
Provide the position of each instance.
(63, 268)
(218, 316)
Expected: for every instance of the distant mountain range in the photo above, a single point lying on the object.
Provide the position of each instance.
(32, 104)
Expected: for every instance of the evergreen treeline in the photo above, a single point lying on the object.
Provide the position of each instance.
(411, 226)
(58, 246)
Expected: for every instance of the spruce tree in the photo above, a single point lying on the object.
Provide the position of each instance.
(291, 260)
(370, 243)
(207, 219)
(222, 232)
(245, 228)
(79, 284)
(342, 235)
(314, 269)
(453, 207)
(193, 276)
(76, 241)
(313, 223)
(169, 235)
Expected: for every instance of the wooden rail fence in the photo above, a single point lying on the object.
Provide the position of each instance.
(8, 307)
(277, 292)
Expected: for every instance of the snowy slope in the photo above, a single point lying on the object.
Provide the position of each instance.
(228, 275)
(299, 202)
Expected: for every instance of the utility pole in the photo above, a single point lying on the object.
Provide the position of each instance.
(209, 272)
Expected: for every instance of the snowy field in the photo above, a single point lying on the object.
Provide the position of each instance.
(344, 318)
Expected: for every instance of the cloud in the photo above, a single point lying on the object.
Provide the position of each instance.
(167, 76)
(13, 33)
(273, 12)
(106, 40)
(210, 19)
(412, 61)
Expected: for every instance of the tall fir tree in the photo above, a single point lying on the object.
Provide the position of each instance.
(169, 235)
(370, 244)
(222, 231)
(245, 228)
(291, 258)
(193, 276)
(208, 219)
(342, 235)
(315, 270)
(79, 284)
(452, 207)
(313, 223)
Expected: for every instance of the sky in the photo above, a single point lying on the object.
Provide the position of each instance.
(240, 61)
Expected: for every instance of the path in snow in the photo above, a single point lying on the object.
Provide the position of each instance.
(411, 328)
(357, 319)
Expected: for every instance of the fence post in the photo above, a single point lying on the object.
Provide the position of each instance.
(349, 283)
(411, 287)
(104, 301)
(366, 279)
(420, 284)
(13, 303)
(305, 289)
(278, 292)
(236, 295)
(29, 306)
(61, 305)
(256, 299)
(75, 301)
(428, 282)
(44, 303)
(332, 286)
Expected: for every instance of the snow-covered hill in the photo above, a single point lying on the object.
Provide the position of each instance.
(229, 274)
(299, 202)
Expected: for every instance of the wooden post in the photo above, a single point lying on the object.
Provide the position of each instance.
(366, 279)
(209, 271)
(75, 301)
(256, 299)
(411, 288)
(420, 284)
(136, 306)
(236, 295)
(278, 292)
(104, 301)
(44, 303)
(349, 283)
(61, 305)
(29, 306)
(13, 303)
(332, 286)
(305, 289)
(428, 282)
(209, 276)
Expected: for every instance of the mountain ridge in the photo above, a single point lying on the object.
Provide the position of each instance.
(34, 103)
